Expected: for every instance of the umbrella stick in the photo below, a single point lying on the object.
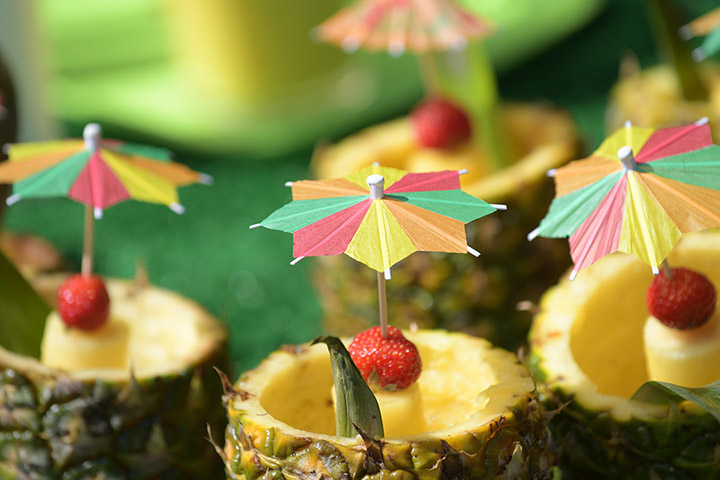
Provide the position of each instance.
(666, 269)
(88, 238)
(382, 299)
(429, 73)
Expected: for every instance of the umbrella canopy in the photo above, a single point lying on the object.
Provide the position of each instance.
(96, 172)
(637, 193)
(379, 215)
(400, 25)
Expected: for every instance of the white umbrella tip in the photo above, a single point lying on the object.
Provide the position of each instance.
(256, 225)
(12, 199)
(97, 213)
(92, 130)
(91, 134)
(464, 171)
(533, 235)
(551, 173)
(698, 54)
(573, 274)
(685, 32)
(499, 206)
(702, 121)
(177, 208)
(289, 184)
(387, 274)
(350, 44)
(624, 152)
(396, 48)
(206, 179)
(375, 179)
(628, 124)
(296, 260)
(472, 251)
(655, 270)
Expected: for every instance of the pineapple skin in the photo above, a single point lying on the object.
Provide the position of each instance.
(451, 291)
(511, 446)
(592, 444)
(600, 435)
(54, 426)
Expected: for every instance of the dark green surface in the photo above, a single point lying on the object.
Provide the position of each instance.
(244, 276)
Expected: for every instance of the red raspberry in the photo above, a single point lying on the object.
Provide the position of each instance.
(439, 123)
(83, 302)
(686, 301)
(395, 360)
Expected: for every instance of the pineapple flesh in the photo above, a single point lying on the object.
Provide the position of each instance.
(143, 417)
(481, 416)
(450, 291)
(588, 353)
(685, 357)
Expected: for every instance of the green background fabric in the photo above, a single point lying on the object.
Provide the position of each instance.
(244, 276)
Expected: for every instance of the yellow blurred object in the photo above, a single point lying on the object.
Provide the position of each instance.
(651, 98)
(247, 51)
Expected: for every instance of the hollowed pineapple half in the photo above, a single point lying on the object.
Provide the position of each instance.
(458, 292)
(587, 351)
(480, 409)
(652, 98)
(147, 421)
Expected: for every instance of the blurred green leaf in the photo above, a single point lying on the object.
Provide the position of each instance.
(707, 397)
(22, 312)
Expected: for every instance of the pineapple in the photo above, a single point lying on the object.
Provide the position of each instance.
(145, 421)
(587, 349)
(458, 292)
(652, 98)
(480, 409)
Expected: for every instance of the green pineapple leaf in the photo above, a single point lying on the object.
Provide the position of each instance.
(355, 403)
(707, 397)
(22, 312)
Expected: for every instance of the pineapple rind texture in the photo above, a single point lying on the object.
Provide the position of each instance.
(451, 291)
(510, 445)
(56, 426)
(599, 434)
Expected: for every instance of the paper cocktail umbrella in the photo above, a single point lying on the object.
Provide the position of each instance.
(378, 216)
(400, 25)
(637, 193)
(96, 172)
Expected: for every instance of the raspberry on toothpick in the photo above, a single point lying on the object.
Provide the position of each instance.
(682, 334)
(393, 360)
(440, 123)
(681, 298)
(83, 302)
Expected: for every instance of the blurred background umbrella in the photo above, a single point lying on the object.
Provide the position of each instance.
(707, 26)
(637, 193)
(97, 173)
(378, 216)
(445, 37)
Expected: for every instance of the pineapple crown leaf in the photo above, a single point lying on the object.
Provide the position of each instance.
(355, 403)
(707, 397)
